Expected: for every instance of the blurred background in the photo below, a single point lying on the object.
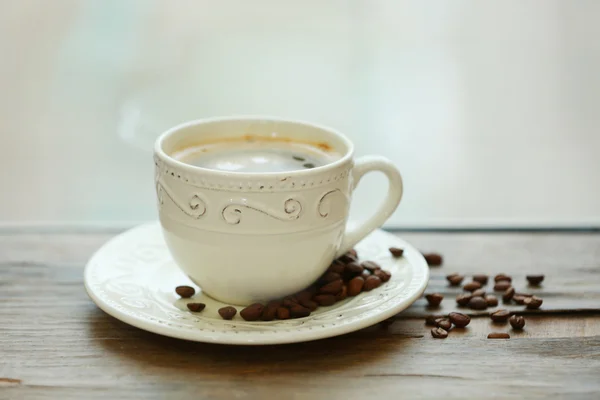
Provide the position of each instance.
(491, 109)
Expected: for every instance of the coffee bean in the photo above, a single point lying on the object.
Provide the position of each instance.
(303, 296)
(330, 277)
(371, 283)
(283, 313)
(355, 286)
(252, 312)
(502, 277)
(342, 294)
(332, 287)
(299, 312)
(502, 286)
(498, 335)
(479, 293)
(491, 300)
(353, 253)
(431, 320)
(535, 279)
(289, 302)
(337, 267)
(483, 279)
(311, 305)
(519, 299)
(500, 315)
(455, 279)
(439, 333)
(533, 303)
(383, 275)
(508, 294)
(352, 269)
(347, 258)
(434, 299)
(185, 291)
(477, 303)
(269, 312)
(517, 322)
(463, 299)
(227, 312)
(396, 252)
(472, 286)
(433, 259)
(324, 299)
(196, 307)
(459, 320)
(370, 265)
(444, 323)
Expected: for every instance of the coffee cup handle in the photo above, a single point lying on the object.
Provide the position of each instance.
(394, 195)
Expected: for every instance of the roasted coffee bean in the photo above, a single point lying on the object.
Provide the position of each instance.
(500, 316)
(433, 259)
(472, 286)
(311, 305)
(517, 322)
(355, 286)
(439, 333)
(483, 279)
(431, 320)
(227, 312)
(501, 286)
(324, 299)
(353, 253)
(185, 291)
(352, 269)
(370, 265)
(396, 252)
(383, 275)
(337, 267)
(252, 312)
(455, 279)
(463, 299)
(342, 294)
(330, 277)
(477, 303)
(303, 295)
(332, 287)
(535, 279)
(459, 320)
(444, 323)
(502, 277)
(491, 300)
(283, 313)
(519, 299)
(299, 312)
(479, 293)
(347, 258)
(196, 307)
(508, 294)
(289, 302)
(269, 312)
(371, 283)
(533, 303)
(498, 335)
(434, 299)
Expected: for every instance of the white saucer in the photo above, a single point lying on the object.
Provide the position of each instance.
(132, 278)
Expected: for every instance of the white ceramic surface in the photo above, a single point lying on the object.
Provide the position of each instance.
(133, 277)
(252, 236)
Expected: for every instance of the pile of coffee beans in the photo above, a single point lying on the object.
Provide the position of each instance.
(444, 324)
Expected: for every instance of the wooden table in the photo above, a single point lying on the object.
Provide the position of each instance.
(55, 343)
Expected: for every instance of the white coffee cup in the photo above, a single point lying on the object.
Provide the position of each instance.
(247, 237)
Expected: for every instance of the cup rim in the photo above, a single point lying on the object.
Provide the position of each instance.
(158, 147)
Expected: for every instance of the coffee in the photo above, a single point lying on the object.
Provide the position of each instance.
(253, 154)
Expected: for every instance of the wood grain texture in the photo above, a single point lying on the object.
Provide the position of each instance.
(55, 343)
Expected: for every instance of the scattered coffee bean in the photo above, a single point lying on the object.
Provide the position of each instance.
(252, 312)
(472, 286)
(444, 323)
(463, 299)
(502, 286)
(355, 286)
(431, 320)
(330, 277)
(269, 312)
(304, 295)
(508, 294)
(434, 299)
(535, 279)
(396, 252)
(353, 253)
(500, 316)
(433, 259)
(383, 275)
(371, 283)
(477, 303)
(347, 258)
(479, 293)
(533, 303)
(483, 279)
(455, 279)
(337, 267)
(459, 320)
(332, 287)
(370, 265)
(498, 335)
(341, 295)
(283, 313)
(502, 277)
(299, 312)
(517, 322)
(439, 333)
(324, 300)
(352, 269)
(185, 291)
(227, 312)
(289, 302)
(491, 300)
(311, 305)
(520, 300)
(196, 307)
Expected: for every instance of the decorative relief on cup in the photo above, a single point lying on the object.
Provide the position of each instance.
(324, 205)
(195, 207)
(233, 213)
